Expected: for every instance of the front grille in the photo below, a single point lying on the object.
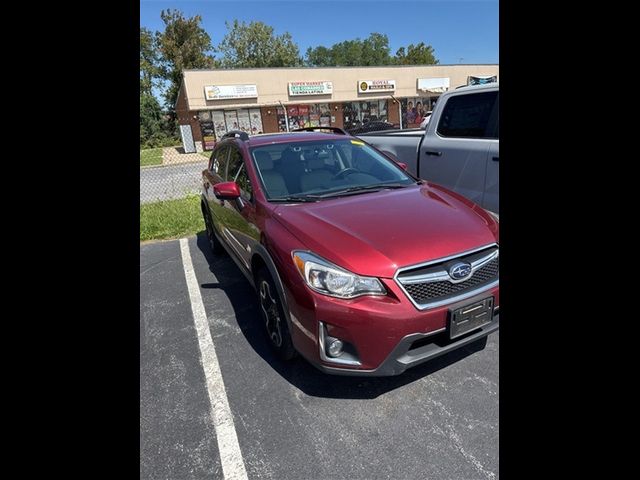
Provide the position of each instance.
(441, 289)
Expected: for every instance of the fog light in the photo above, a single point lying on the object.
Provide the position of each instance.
(335, 351)
(334, 347)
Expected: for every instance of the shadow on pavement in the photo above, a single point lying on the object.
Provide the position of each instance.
(299, 372)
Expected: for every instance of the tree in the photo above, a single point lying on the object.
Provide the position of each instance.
(319, 57)
(183, 44)
(419, 54)
(347, 53)
(150, 118)
(255, 46)
(148, 61)
(373, 50)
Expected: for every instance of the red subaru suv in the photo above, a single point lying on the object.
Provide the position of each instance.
(358, 266)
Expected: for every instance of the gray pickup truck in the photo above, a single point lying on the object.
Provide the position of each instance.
(459, 148)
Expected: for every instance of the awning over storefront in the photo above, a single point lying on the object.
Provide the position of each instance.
(433, 85)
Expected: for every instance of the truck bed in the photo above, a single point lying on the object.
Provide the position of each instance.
(402, 143)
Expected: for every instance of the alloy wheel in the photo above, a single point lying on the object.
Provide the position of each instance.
(210, 234)
(269, 307)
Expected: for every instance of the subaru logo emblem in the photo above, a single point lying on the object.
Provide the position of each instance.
(460, 270)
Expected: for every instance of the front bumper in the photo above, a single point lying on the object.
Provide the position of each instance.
(382, 330)
(403, 356)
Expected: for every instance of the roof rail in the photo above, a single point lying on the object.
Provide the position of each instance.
(337, 130)
(237, 134)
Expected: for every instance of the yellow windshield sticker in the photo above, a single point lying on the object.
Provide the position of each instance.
(357, 142)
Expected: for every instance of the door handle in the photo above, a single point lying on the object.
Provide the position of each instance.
(431, 152)
(495, 159)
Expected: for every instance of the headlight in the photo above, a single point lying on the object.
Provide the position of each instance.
(329, 279)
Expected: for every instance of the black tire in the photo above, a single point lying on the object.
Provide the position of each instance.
(214, 243)
(273, 318)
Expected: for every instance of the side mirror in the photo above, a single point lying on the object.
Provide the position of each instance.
(226, 190)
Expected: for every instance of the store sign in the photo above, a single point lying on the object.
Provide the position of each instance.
(433, 85)
(481, 79)
(223, 92)
(310, 88)
(373, 86)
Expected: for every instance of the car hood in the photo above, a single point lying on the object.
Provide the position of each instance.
(376, 233)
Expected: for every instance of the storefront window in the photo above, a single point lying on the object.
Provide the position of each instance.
(282, 122)
(325, 115)
(219, 123)
(358, 114)
(300, 116)
(414, 110)
(256, 121)
(314, 116)
(247, 120)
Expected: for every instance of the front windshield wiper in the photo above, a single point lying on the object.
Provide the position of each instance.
(296, 199)
(362, 189)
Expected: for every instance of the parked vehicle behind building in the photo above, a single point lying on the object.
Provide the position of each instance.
(459, 148)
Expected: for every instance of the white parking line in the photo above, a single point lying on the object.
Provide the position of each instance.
(230, 454)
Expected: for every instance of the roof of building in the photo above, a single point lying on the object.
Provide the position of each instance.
(339, 67)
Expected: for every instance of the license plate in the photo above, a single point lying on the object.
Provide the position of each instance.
(464, 319)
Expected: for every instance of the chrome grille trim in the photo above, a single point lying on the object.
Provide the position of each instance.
(443, 275)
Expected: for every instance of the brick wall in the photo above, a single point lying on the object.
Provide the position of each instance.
(185, 117)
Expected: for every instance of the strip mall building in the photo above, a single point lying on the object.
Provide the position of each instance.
(265, 100)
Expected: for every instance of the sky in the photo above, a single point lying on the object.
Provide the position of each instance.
(459, 31)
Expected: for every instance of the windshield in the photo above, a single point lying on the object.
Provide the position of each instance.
(314, 170)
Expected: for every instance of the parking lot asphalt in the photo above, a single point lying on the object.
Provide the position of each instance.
(177, 439)
(436, 421)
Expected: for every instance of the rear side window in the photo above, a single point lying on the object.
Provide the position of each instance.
(467, 116)
(241, 177)
(233, 165)
(219, 160)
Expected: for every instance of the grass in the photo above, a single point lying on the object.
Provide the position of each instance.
(152, 156)
(207, 154)
(171, 219)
